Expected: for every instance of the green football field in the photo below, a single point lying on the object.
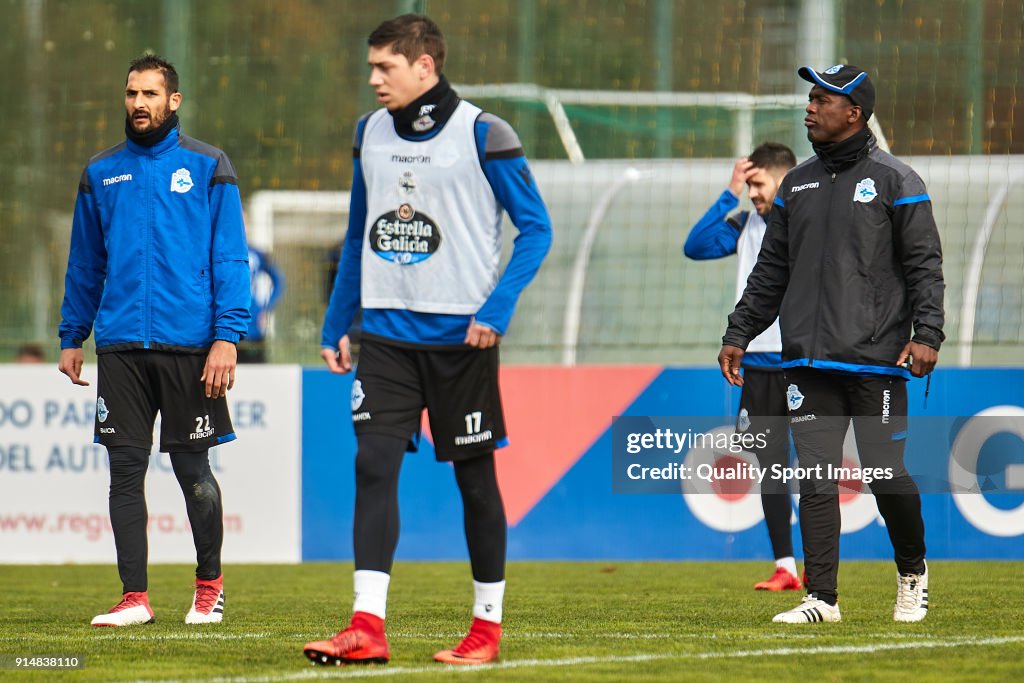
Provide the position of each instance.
(572, 621)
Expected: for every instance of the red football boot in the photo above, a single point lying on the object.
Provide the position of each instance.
(478, 647)
(781, 580)
(207, 602)
(133, 609)
(363, 642)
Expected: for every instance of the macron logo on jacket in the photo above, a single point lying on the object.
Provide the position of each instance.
(124, 177)
(806, 186)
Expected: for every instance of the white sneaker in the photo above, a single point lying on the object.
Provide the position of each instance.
(810, 610)
(133, 610)
(911, 596)
(207, 603)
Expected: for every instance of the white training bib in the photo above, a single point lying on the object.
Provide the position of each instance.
(432, 240)
(747, 249)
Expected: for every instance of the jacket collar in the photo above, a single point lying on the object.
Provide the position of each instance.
(427, 115)
(837, 156)
(169, 143)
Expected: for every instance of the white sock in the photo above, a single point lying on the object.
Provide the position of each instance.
(371, 589)
(787, 563)
(487, 598)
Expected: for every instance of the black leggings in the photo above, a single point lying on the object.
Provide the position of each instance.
(375, 532)
(129, 516)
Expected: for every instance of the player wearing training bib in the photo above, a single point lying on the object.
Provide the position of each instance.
(763, 397)
(432, 176)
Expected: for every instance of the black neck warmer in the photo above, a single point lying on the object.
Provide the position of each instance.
(411, 121)
(839, 155)
(153, 136)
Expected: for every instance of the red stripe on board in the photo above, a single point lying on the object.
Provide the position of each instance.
(553, 416)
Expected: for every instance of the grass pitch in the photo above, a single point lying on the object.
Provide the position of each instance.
(573, 621)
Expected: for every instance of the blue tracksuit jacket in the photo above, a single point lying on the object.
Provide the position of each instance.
(158, 254)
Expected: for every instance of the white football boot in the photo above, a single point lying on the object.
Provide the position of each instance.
(811, 610)
(911, 596)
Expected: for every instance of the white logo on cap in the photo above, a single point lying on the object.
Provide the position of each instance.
(834, 69)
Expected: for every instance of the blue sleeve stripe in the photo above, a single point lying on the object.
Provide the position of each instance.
(912, 200)
(779, 202)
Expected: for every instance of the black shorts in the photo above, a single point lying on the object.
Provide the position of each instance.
(458, 387)
(763, 411)
(134, 385)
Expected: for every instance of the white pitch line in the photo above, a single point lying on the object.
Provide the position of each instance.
(543, 635)
(186, 636)
(342, 672)
(410, 635)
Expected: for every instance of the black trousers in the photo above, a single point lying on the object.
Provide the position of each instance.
(821, 407)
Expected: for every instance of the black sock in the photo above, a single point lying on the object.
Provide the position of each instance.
(777, 514)
(827, 597)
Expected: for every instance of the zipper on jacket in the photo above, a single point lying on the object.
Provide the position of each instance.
(876, 305)
(821, 278)
(148, 238)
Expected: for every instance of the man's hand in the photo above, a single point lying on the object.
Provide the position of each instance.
(71, 361)
(924, 358)
(741, 173)
(480, 336)
(219, 371)
(729, 359)
(340, 361)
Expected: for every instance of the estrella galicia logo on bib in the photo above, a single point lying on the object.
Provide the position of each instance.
(405, 236)
(793, 397)
(101, 410)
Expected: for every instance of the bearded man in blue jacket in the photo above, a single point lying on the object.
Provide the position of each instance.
(159, 266)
